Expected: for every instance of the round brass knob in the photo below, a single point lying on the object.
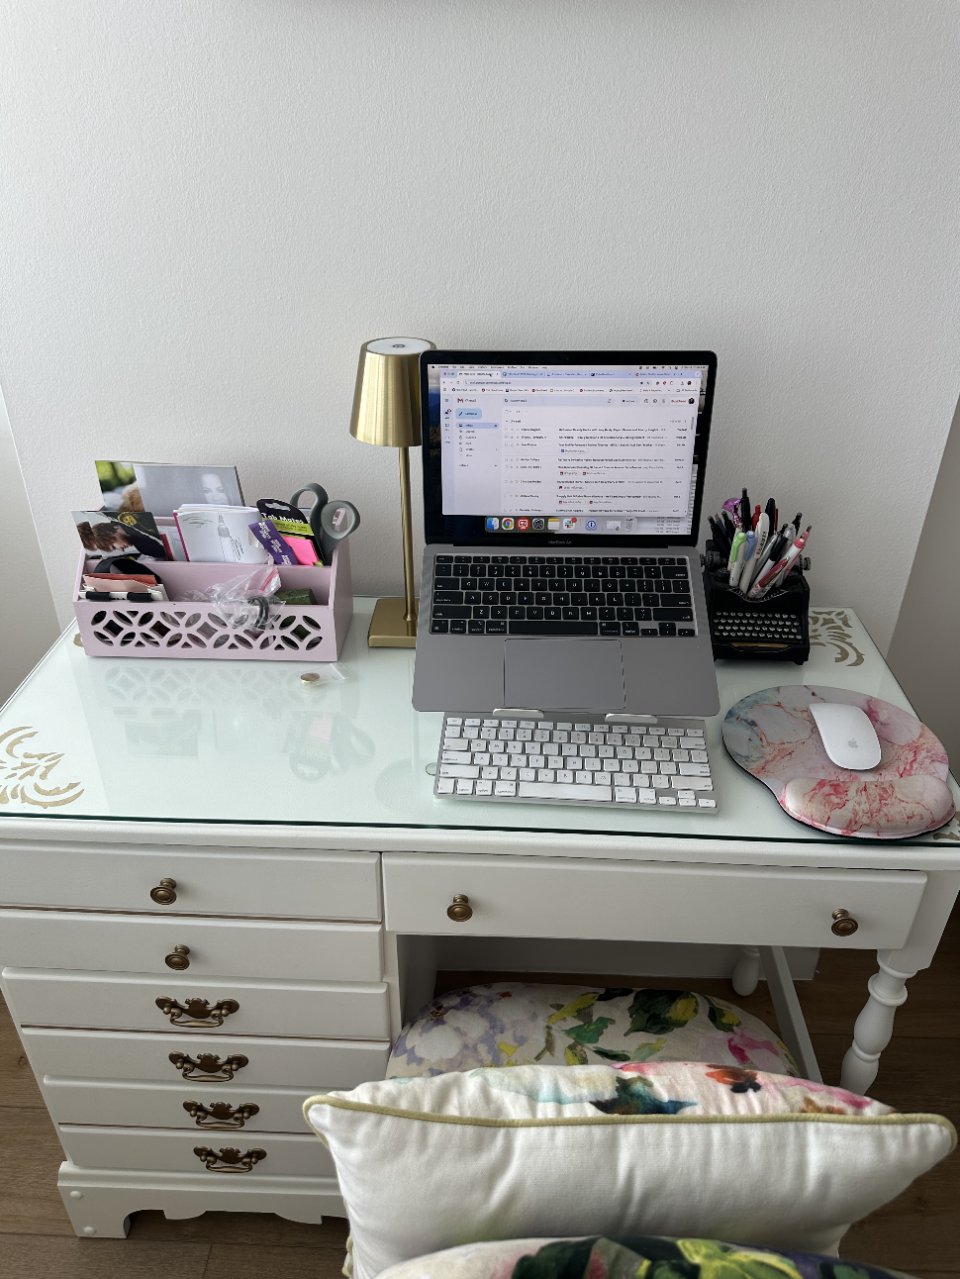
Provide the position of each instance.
(844, 924)
(178, 958)
(165, 892)
(461, 910)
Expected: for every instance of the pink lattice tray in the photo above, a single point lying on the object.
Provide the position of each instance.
(182, 628)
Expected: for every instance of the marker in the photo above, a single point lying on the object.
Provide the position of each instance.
(739, 540)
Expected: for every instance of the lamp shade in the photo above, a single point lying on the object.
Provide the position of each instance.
(386, 403)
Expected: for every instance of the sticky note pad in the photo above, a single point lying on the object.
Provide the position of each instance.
(302, 548)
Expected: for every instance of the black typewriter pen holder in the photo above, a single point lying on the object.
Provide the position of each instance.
(774, 628)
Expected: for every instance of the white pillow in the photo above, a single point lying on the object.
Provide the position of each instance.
(668, 1148)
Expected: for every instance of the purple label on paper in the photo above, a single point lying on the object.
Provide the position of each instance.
(265, 532)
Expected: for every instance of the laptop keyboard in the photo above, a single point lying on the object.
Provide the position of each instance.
(583, 760)
(573, 595)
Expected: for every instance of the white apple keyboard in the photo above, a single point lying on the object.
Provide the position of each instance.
(655, 762)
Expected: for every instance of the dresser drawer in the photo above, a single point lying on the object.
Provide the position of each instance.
(128, 1001)
(285, 1154)
(541, 897)
(208, 881)
(110, 1103)
(294, 1063)
(215, 947)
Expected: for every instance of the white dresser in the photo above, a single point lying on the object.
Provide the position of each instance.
(221, 889)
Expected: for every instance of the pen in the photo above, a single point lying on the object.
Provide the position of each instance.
(719, 536)
(763, 535)
(796, 521)
(792, 557)
(756, 518)
(745, 509)
(772, 552)
(763, 584)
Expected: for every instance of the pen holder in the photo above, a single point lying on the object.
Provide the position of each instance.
(775, 628)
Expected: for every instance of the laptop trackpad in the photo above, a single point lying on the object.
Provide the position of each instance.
(563, 674)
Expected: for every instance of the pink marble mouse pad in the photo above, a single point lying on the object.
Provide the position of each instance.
(774, 737)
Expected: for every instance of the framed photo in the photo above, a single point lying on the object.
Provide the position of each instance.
(160, 488)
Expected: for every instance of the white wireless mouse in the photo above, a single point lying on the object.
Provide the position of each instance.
(848, 737)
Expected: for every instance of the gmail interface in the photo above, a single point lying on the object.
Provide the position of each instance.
(597, 449)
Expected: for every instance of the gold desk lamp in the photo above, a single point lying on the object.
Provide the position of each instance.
(386, 410)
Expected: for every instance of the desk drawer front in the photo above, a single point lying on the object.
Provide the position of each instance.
(223, 1114)
(217, 1065)
(128, 1001)
(215, 947)
(207, 881)
(283, 1154)
(534, 897)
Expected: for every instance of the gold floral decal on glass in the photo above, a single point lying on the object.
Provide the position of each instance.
(833, 626)
(23, 773)
(951, 832)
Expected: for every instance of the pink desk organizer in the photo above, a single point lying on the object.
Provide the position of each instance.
(181, 628)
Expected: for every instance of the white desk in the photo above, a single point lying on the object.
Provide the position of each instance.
(312, 868)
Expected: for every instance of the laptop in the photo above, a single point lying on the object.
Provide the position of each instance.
(562, 499)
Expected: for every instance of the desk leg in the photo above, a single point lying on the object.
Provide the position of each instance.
(888, 987)
(790, 1019)
(746, 973)
(874, 1028)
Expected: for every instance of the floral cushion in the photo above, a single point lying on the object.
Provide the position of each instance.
(522, 1023)
(646, 1258)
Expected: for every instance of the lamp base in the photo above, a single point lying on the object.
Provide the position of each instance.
(388, 628)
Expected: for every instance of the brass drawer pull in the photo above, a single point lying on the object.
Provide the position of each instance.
(197, 1012)
(165, 892)
(208, 1067)
(844, 924)
(230, 1157)
(220, 1114)
(178, 959)
(461, 910)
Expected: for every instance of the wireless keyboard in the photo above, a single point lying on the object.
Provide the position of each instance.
(562, 595)
(661, 763)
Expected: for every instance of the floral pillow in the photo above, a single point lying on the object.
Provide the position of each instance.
(628, 1149)
(646, 1258)
(521, 1024)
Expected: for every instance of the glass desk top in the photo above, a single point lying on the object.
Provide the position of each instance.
(219, 741)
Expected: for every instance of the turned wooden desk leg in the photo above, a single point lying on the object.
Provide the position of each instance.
(746, 973)
(874, 1028)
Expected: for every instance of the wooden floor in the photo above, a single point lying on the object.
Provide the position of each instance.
(918, 1233)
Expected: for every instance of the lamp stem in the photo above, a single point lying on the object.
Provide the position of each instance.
(410, 611)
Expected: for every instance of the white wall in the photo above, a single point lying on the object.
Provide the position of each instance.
(28, 624)
(209, 205)
(926, 643)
